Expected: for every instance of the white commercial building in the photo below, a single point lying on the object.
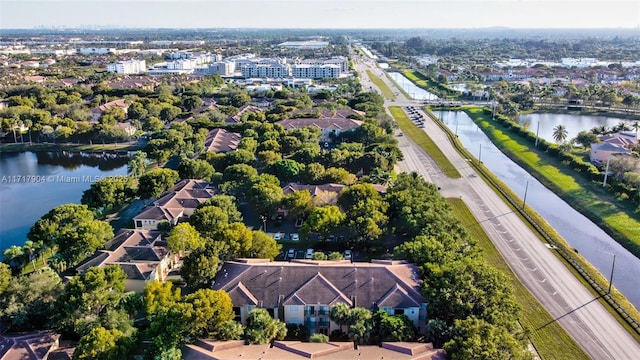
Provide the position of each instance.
(128, 67)
(96, 51)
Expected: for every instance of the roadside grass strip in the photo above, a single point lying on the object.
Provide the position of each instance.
(424, 141)
(547, 336)
(386, 92)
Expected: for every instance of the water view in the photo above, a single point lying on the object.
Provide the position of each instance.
(32, 183)
(573, 123)
(410, 88)
(582, 234)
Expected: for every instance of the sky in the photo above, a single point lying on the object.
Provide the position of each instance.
(428, 14)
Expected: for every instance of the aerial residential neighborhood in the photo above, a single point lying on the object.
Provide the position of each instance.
(187, 192)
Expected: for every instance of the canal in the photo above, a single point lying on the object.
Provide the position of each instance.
(579, 232)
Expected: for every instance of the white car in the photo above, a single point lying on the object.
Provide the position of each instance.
(277, 236)
(295, 237)
(291, 253)
(347, 255)
(308, 254)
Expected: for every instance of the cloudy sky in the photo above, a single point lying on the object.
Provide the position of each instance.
(321, 13)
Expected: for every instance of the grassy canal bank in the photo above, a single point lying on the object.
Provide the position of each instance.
(68, 147)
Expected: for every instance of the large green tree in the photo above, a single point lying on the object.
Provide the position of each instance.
(88, 297)
(184, 238)
(211, 309)
(154, 182)
(476, 339)
(104, 344)
(261, 328)
(73, 229)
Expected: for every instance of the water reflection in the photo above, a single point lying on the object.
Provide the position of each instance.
(32, 183)
(411, 89)
(582, 234)
(573, 123)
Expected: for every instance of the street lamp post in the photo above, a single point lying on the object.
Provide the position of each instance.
(524, 200)
(613, 266)
(264, 222)
(480, 155)
(537, 132)
(606, 171)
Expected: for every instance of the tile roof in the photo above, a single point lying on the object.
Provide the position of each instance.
(296, 350)
(316, 190)
(238, 116)
(26, 346)
(137, 252)
(341, 124)
(221, 140)
(359, 284)
(186, 194)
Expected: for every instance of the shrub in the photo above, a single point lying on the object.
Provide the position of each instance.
(319, 338)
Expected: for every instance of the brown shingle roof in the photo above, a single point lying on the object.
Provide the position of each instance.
(221, 140)
(326, 281)
(341, 124)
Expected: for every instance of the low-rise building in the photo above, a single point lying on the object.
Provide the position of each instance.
(97, 112)
(141, 254)
(176, 204)
(222, 141)
(304, 291)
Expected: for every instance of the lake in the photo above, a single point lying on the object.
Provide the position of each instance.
(32, 183)
(573, 123)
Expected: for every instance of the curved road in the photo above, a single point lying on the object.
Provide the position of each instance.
(555, 287)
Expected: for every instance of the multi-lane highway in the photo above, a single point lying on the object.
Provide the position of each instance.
(555, 287)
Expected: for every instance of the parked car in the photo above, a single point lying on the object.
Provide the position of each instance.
(277, 236)
(295, 237)
(308, 254)
(332, 238)
(291, 253)
(347, 255)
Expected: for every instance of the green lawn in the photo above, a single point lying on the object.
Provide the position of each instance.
(386, 92)
(578, 192)
(424, 141)
(549, 339)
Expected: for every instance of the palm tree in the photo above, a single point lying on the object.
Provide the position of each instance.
(560, 133)
(636, 126)
(29, 249)
(12, 254)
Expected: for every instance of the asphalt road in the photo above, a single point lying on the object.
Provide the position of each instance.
(555, 287)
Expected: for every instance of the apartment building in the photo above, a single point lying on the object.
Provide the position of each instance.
(128, 67)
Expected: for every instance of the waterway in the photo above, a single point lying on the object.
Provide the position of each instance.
(32, 183)
(579, 232)
(573, 123)
(410, 88)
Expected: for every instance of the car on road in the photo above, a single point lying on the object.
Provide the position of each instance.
(308, 254)
(291, 253)
(295, 237)
(347, 255)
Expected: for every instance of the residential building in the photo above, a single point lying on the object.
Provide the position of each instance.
(330, 127)
(315, 71)
(341, 61)
(237, 118)
(128, 67)
(304, 291)
(271, 68)
(297, 350)
(178, 203)
(141, 254)
(97, 112)
(601, 151)
(29, 346)
(222, 141)
(305, 45)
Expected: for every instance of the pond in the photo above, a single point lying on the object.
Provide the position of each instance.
(32, 183)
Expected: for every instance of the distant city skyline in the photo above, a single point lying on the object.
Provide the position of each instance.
(348, 14)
